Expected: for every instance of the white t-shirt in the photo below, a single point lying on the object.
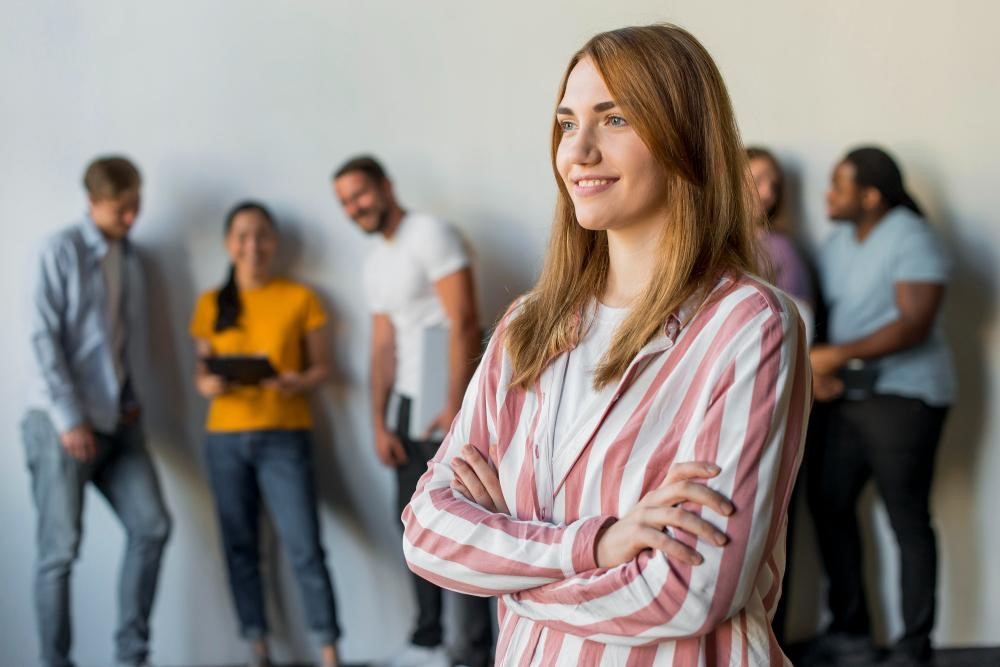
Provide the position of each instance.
(579, 404)
(399, 276)
(111, 267)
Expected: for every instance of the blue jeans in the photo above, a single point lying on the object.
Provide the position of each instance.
(123, 472)
(276, 466)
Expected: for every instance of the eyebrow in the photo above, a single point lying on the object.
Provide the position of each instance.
(603, 106)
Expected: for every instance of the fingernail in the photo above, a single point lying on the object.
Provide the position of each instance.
(728, 508)
(698, 560)
(721, 539)
(714, 468)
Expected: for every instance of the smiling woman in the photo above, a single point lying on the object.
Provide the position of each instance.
(621, 467)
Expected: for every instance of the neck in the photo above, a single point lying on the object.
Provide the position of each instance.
(632, 255)
(393, 220)
(864, 225)
(247, 280)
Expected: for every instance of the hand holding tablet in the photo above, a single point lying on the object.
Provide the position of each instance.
(241, 369)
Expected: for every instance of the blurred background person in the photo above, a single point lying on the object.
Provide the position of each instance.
(258, 445)
(788, 269)
(89, 322)
(888, 375)
(419, 286)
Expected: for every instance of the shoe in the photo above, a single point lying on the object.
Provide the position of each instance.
(419, 656)
(839, 649)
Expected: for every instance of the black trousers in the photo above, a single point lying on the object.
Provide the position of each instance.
(892, 440)
(475, 637)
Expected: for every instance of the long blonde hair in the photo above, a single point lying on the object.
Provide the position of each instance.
(674, 96)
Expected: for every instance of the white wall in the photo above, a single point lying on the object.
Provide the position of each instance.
(225, 99)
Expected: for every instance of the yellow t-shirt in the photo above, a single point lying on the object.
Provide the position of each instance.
(274, 320)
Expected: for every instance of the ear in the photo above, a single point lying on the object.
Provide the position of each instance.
(387, 189)
(871, 198)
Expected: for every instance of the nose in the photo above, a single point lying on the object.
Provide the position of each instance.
(583, 147)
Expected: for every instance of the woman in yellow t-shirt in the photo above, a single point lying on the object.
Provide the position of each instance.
(258, 445)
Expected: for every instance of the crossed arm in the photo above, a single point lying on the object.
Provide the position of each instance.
(621, 579)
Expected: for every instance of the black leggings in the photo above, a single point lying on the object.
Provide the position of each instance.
(893, 440)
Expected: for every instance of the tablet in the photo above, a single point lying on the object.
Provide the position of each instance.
(241, 369)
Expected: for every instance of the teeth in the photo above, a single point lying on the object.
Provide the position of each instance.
(593, 182)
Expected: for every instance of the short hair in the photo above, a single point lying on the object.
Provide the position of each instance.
(366, 164)
(109, 176)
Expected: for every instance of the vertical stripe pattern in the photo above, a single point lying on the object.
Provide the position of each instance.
(731, 386)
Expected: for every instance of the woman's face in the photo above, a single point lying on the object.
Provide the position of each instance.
(251, 244)
(766, 178)
(612, 177)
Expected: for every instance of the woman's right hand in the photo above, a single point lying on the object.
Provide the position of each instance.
(210, 386)
(643, 527)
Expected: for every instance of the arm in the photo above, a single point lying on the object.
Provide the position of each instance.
(918, 305)
(48, 307)
(755, 421)
(317, 365)
(388, 448)
(47, 313)
(461, 546)
(458, 298)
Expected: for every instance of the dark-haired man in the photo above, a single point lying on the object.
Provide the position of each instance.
(887, 376)
(419, 286)
(87, 325)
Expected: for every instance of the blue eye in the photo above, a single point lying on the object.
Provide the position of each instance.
(617, 121)
(567, 125)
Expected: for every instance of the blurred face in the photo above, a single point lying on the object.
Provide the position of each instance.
(612, 178)
(765, 178)
(844, 199)
(114, 216)
(252, 244)
(364, 201)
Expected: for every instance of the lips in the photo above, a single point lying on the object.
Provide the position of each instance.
(592, 185)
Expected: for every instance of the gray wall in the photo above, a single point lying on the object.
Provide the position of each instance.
(224, 99)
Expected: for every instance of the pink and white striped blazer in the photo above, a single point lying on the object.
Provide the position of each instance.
(732, 386)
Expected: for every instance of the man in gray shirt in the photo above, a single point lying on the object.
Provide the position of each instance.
(884, 381)
(87, 325)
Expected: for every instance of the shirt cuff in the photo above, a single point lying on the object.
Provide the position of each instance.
(65, 415)
(579, 545)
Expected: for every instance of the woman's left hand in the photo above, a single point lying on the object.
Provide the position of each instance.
(289, 382)
(477, 480)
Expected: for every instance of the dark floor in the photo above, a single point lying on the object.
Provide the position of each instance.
(955, 657)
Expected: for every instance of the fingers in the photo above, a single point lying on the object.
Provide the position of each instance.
(473, 484)
(694, 492)
(486, 474)
(674, 549)
(689, 522)
(398, 451)
(691, 470)
(457, 485)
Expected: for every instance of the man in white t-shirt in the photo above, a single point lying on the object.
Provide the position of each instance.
(425, 344)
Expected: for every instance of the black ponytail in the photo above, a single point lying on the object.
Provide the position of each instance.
(876, 169)
(228, 299)
(228, 303)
